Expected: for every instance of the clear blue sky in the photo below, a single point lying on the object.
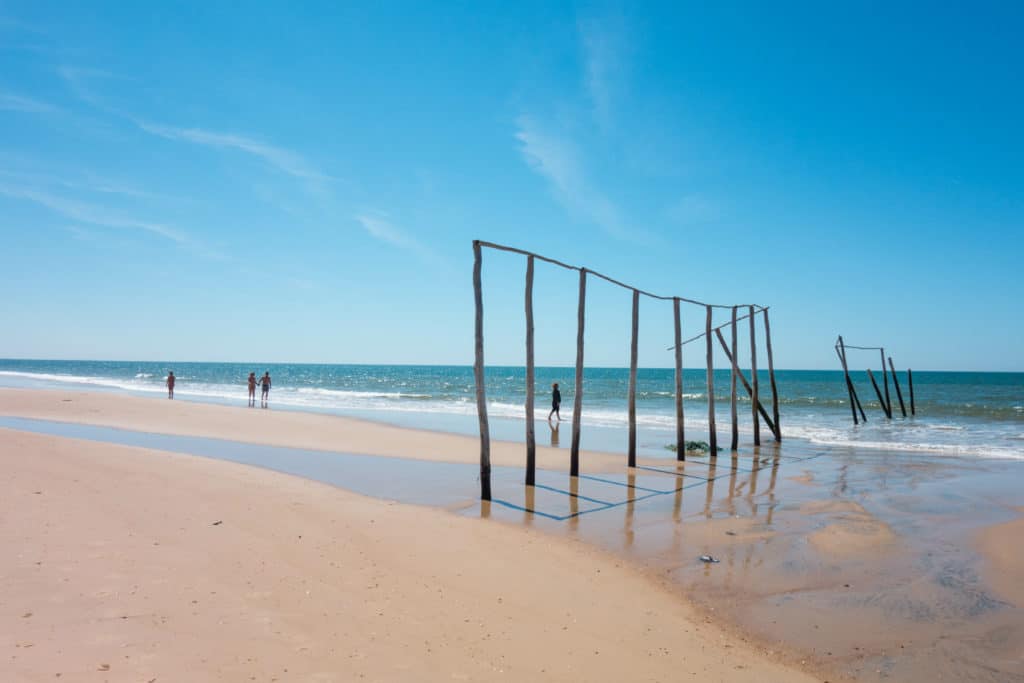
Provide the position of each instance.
(302, 181)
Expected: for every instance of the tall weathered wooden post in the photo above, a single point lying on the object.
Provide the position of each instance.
(885, 381)
(632, 378)
(531, 437)
(841, 352)
(753, 378)
(478, 375)
(712, 432)
(910, 381)
(577, 400)
(680, 432)
(733, 410)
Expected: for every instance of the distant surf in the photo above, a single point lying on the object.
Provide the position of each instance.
(963, 414)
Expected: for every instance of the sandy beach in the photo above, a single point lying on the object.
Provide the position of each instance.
(129, 563)
(125, 564)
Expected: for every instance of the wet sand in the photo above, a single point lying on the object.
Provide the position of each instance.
(275, 427)
(869, 566)
(125, 564)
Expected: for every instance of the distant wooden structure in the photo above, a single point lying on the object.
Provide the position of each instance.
(884, 399)
(757, 408)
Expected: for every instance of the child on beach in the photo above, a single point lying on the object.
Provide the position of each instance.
(265, 394)
(170, 385)
(252, 389)
(556, 402)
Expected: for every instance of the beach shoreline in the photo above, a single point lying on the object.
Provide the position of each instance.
(802, 533)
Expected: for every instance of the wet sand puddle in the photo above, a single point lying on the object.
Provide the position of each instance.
(857, 565)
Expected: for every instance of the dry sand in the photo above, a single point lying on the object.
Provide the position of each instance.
(127, 564)
(279, 428)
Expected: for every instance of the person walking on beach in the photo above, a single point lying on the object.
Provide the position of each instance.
(265, 393)
(556, 402)
(252, 389)
(170, 384)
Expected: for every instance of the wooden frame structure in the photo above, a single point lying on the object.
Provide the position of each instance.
(574, 462)
(884, 400)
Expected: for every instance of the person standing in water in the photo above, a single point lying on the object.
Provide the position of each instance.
(252, 389)
(556, 402)
(170, 384)
(265, 384)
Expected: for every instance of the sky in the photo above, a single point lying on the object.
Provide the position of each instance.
(302, 182)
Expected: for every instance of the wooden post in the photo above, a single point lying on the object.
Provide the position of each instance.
(878, 392)
(478, 375)
(856, 398)
(910, 381)
(680, 433)
(841, 352)
(531, 437)
(632, 378)
(577, 401)
(885, 382)
(753, 378)
(896, 383)
(743, 380)
(732, 389)
(771, 377)
(712, 434)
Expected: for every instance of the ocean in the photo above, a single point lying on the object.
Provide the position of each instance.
(978, 414)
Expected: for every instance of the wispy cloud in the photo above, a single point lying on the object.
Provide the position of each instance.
(89, 213)
(379, 227)
(78, 81)
(283, 159)
(602, 65)
(556, 159)
(19, 103)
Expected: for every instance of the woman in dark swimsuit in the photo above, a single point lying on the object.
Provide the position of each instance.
(252, 389)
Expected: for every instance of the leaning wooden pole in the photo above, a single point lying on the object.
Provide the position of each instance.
(531, 437)
(743, 380)
(771, 377)
(910, 381)
(841, 352)
(733, 410)
(577, 401)
(680, 432)
(632, 378)
(478, 375)
(753, 378)
(896, 383)
(712, 434)
(885, 382)
(878, 392)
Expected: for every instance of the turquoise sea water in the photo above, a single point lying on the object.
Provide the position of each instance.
(958, 413)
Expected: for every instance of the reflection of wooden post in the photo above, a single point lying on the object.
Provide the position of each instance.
(841, 352)
(771, 377)
(878, 392)
(478, 375)
(753, 378)
(712, 434)
(531, 437)
(680, 433)
(885, 381)
(732, 389)
(632, 378)
(577, 401)
(896, 383)
(910, 381)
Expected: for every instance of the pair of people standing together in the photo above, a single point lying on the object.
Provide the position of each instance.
(264, 382)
